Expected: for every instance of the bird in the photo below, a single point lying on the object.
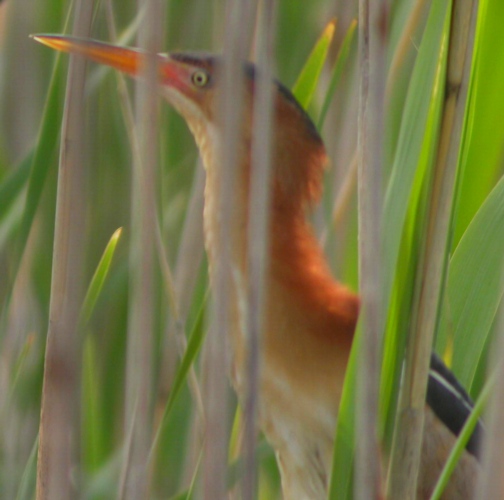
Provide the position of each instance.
(310, 317)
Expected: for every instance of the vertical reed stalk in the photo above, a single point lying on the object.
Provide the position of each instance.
(139, 384)
(372, 48)
(431, 272)
(258, 231)
(58, 434)
(236, 47)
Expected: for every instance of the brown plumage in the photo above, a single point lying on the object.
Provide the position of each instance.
(310, 318)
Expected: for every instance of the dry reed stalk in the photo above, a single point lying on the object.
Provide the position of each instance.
(258, 232)
(236, 48)
(372, 51)
(57, 431)
(134, 481)
(431, 271)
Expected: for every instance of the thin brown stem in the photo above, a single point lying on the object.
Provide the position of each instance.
(236, 49)
(57, 431)
(373, 31)
(258, 232)
(144, 220)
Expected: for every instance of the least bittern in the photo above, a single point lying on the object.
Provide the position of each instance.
(310, 318)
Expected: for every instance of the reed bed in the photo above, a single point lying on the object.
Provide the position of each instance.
(113, 371)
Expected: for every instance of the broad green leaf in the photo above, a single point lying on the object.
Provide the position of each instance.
(424, 84)
(474, 287)
(404, 210)
(305, 85)
(483, 164)
(337, 71)
(98, 279)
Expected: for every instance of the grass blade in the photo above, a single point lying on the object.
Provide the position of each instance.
(341, 60)
(29, 479)
(14, 183)
(404, 203)
(427, 72)
(462, 439)
(341, 486)
(305, 85)
(193, 347)
(42, 163)
(99, 277)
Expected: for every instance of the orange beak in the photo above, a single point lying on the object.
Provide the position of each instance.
(124, 59)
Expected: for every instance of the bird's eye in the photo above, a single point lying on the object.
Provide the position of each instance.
(200, 78)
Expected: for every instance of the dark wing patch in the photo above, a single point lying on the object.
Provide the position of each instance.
(250, 72)
(451, 403)
(289, 96)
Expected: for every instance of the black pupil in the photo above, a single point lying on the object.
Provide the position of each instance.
(199, 78)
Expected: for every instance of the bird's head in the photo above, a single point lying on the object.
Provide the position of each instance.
(190, 83)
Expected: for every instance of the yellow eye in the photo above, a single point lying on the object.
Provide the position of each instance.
(200, 78)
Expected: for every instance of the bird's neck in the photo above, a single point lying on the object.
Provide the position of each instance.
(299, 267)
(298, 272)
(298, 275)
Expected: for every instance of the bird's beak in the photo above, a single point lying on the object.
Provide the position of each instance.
(124, 59)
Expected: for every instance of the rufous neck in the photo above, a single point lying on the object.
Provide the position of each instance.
(299, 266)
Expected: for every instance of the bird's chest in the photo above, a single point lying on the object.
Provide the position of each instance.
(298, 425)
(297, 422)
